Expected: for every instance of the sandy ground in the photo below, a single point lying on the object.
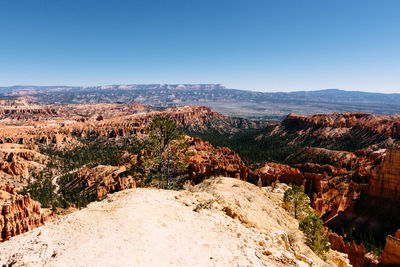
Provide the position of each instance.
(149, 227)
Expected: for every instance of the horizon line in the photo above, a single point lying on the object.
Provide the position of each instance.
(220, 84)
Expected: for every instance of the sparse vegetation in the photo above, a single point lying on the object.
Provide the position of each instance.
(163, 163)
(311, 224)
(204, 205)
(252, 145)
(296, 202)
(166, 154)
(257, 146)
(42, 189)
(316, 236)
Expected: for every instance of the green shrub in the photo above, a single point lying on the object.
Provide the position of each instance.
(316, 237)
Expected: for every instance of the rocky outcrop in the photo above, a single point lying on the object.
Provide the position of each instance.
(337, 131)
(284, 173)
(16, 103)
(206, 161)
(391, 252)
(97, 182)
(336, 124)
(19, 214)
(18, 162)
(328, 192)
(358, 255)
(191, 118)
(26, 113)
(386, 181)
(360, 258)
(20, 110)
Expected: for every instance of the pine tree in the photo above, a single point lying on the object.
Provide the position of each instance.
(296, 201)
(166, 155)
(313, 228)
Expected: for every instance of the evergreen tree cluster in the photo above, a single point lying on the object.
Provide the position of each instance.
(166, 153)
(311, 224)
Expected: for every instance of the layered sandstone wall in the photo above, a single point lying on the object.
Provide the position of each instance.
(386, 182)
(391, 253)
(101, 180)
(387, 126)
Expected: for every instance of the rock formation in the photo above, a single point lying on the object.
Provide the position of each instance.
(357, 254)
(386, 182)
(329, 194)
(19, 214)
(391, 253)
(117, 122)
(337, 124)
(360, 258)
(19, 161)
(97, 182)
(338, 131)
(333, 179)
(207, 161)
(245, 226)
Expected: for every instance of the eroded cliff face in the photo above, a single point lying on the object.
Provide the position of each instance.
(72, 123)
(19, 214)
(206, 161)
(360, 258)
(370, 212)
(22, 113)
(386, 181)
(339, 131)
(19, 161)
(337, 124)
(391, 253)
(111, 122)
(98, 181)
(332, 184)
(329, 194)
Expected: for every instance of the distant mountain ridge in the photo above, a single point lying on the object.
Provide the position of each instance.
(234, 102)
(16, 88)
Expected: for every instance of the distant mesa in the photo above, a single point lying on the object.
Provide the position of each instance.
(270, 106)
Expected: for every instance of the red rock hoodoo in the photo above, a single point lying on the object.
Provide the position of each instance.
(19, 214)
(357, 254)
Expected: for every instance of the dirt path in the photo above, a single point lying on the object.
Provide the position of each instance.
(55, 178)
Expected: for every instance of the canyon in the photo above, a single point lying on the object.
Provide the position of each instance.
(345, 162)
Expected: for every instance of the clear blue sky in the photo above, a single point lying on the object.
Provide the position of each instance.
(279, 45)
